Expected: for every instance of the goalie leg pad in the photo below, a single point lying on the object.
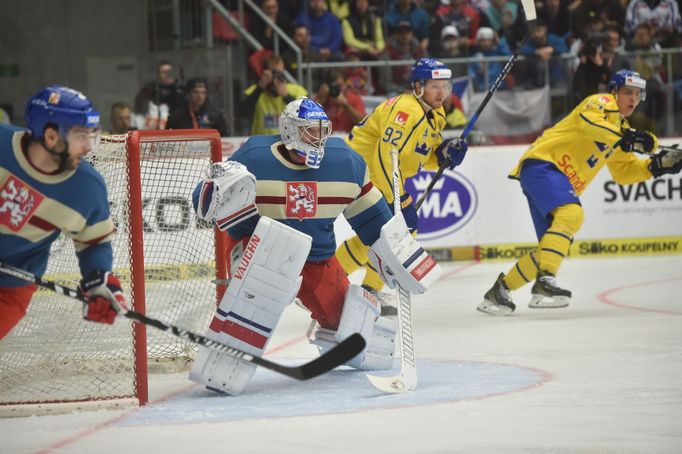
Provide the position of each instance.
(265, 281)
(380, 350)
(360, 314)
(398, 257)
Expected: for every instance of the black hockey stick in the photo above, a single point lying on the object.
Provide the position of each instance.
(344, 351)
(491, 91)
(529, 9)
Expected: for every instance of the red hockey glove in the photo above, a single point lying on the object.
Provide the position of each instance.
(105, 297)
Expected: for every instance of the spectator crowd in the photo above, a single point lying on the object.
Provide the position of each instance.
(575, 45)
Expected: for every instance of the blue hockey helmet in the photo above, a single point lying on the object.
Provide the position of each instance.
(430, 68)
(62, 106)
(295, 126)
(627, 78)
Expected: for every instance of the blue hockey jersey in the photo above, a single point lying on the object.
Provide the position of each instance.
(309, 200)
(35, 207)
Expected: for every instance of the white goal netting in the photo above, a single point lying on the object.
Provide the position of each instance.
(53, 356)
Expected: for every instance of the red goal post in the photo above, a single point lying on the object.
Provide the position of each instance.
(53, 361)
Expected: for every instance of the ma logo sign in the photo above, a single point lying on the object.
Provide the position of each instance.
(449, 207)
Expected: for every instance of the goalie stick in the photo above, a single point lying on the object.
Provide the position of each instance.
(531, 17)
(338, 355)
(406, 380)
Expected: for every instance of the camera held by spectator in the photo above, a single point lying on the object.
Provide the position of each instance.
(334, 90)
(278, 76)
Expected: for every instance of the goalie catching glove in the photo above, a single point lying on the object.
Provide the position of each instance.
(639, 141)
(105, 297)
(398, 257)
(666, 161)
(227, 196)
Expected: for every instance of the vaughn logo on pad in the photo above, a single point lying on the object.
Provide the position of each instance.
(449, 207)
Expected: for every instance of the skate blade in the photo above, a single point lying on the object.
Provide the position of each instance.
(546, 302)
(494, 309)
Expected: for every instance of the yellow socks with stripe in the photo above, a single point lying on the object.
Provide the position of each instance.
(352, 254)
(556, 241)
(372, 279)
(523, 272)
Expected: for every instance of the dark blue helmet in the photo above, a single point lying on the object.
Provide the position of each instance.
(429, 68)
(627, 78)
(62, 106)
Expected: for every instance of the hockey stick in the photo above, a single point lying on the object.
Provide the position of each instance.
(338, 355)
(673, 149)
(529, 9)
(406, 380)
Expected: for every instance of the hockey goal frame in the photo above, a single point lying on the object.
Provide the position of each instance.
(135, 139)
(138, 298)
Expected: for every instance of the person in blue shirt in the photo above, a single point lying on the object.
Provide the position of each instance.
(487, 45)
(541, 49)
(325, 30)
(407, 10)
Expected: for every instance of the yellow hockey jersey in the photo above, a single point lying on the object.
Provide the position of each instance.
(399, 123)
(582, 143)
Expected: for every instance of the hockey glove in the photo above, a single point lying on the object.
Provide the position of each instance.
(227, 197)
(667, 161)
(452, 151)
(398, 258)
(409, 212)
(638, 140)
(105, 297)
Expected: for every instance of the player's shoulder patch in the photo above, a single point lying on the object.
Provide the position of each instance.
(400, 117)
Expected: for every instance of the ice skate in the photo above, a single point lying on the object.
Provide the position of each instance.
(547, 294)
(387, 301)
(497, 300)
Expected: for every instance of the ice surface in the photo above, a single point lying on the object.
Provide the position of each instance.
(601, 376)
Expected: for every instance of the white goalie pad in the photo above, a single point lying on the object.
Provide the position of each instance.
(360, 314)
(227, 196)
(398, 257)
(265, 281)
(360, 311)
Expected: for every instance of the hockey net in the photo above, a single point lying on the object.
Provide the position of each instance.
(53, 361)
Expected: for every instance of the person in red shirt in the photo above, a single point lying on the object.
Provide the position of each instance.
(344, 107)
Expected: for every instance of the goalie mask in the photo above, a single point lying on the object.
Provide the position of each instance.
(305, 127)
(627, 78)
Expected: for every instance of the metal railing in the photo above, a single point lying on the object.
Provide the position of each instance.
(664, 98)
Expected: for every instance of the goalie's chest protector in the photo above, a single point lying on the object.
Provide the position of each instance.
(306, 199)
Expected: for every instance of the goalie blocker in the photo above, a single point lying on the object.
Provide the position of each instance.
(398, 258)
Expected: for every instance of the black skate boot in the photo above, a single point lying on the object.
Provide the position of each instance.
(386, 300)
(547, 294)
(497, 300)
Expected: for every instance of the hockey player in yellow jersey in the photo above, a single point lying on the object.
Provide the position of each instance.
(558, 167)
(411, 123)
